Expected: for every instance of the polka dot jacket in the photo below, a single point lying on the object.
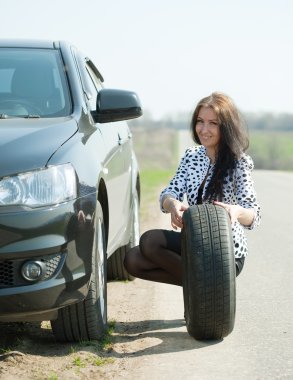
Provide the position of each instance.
(238, 189)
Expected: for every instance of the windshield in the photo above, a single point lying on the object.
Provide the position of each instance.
(32, 83)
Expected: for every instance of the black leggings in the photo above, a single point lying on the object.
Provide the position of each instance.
(173, 240)
(158, 258)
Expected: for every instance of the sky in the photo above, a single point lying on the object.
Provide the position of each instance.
(173, 53)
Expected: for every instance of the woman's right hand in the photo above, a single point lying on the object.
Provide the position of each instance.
(176, 208)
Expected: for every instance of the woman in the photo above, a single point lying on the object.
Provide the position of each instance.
(215, 171)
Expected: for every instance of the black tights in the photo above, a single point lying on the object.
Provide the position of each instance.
(158, 258)
(153, 259)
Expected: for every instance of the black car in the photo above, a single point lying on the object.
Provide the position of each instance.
(69, 187)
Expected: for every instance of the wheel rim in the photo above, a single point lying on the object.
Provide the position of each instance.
(100, 268)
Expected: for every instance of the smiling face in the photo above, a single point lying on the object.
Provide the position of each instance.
(208, 130)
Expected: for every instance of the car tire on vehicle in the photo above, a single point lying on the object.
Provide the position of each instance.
(208, 272)
(87, 320)
(115, 266)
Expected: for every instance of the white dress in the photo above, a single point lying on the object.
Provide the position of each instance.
(194, 167)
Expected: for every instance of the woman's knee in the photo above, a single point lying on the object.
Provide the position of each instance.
(131, 261)
(150, 242)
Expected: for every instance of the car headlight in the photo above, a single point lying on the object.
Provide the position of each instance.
(50, 186)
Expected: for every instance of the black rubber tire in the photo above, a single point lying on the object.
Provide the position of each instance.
(116, 270)
(115, 266)
(87, 320)
(208, 272)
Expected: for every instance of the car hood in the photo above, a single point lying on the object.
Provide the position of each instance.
(27, 144)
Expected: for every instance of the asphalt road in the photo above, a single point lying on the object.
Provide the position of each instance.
(261, 344)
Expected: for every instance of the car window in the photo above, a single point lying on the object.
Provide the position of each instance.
(93, 91)
(33, 82)
(95, 86)
(95, 79)
(89, 86)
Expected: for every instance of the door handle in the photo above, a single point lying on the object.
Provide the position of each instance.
(121, 141)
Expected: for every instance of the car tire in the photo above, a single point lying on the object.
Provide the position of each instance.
(208, 272)
(87, 320)
(115, 266)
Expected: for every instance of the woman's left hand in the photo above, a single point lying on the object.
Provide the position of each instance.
(234, 211)
(244, 216)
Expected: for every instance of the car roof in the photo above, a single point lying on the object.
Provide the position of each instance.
(29, 43)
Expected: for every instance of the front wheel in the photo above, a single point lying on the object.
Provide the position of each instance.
(87, 320)
(115, 266)
(208, 272)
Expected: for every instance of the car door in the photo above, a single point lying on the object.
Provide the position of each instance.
(126, 151)
(117, 169)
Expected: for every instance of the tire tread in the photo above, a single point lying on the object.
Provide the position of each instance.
(208, 272)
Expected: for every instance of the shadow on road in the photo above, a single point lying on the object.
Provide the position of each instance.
(148, 325)
(27, 337)
(140, 338)
(154, 337)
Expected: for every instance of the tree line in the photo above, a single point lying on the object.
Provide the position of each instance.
(254, 121)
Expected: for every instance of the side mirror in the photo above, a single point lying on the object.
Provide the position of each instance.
(116, 105)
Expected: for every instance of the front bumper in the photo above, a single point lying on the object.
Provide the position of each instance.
(62, 238)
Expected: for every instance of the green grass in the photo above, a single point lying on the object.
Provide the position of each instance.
(94, 352)
(52, 376)
(90, 359)
(272, 150)
(153, 181)
(102, 345)
(78, 362)
(157, 153)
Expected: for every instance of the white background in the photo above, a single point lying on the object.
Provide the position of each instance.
(173, 52)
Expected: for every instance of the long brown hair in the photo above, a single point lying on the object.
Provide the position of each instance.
(233, 139)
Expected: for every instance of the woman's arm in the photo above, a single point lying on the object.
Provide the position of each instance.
(177, 186)
(171, 198)
(245, 216)
(176, 208)
(247, 209)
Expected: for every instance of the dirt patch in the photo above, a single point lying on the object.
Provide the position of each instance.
(29, 351)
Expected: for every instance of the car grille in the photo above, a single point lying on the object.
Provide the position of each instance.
(6, 273)
(10, 270)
